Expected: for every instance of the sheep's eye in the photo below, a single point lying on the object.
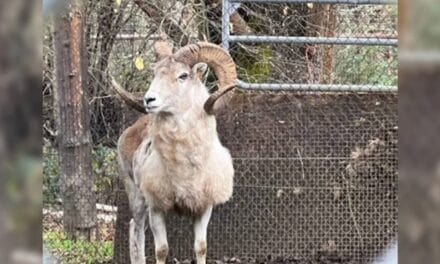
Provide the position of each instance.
(184, 76)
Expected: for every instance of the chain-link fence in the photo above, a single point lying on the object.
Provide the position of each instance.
(312, 129)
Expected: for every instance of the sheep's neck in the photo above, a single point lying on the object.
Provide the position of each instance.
(184, 140)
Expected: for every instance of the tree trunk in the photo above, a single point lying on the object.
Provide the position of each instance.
(330, 27)
(320, 59)
(77, 179)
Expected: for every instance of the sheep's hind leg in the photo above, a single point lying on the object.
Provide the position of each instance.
(200, 234)
(158, 227)
(137, 236)
(137, 223)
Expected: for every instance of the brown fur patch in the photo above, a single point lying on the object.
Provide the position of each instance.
(130, 140)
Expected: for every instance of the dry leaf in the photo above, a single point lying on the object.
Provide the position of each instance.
(297, 190)
(139, 63)
(279, 193)
(310, 5)
(285, 10)
(118, 3)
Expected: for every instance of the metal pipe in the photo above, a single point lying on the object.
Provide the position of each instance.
(315, 40)
(225, 24)
(348, 2)
(315, 87)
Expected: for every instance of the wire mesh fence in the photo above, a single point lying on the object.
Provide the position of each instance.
(315, 179)
(312, 129)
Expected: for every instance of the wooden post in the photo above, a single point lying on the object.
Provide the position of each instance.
(72, 119)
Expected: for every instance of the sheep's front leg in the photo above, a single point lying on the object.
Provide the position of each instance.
(200, 233)
(158, 227)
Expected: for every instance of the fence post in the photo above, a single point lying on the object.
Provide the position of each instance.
(225, 24)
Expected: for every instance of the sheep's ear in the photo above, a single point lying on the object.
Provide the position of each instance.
(200, 70)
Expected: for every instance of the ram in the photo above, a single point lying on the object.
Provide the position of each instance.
(172, 158)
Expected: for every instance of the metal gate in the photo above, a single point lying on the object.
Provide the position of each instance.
(230, 6)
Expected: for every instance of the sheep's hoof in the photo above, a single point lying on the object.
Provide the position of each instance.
(161, 254)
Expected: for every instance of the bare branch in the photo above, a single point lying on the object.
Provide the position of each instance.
(156, 14)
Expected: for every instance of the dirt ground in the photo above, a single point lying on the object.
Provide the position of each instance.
(321, 258)
(53, 222)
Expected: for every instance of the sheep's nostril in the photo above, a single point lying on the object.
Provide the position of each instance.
(149, 100)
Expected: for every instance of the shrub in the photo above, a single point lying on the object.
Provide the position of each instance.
(77, 252)
(105, 168)
(51, 171)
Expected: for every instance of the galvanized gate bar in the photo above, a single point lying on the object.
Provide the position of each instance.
(225, 24)
(314, 40)
(227, 10)
(348, 2)
(315, 87)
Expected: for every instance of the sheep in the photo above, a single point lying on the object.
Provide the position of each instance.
(390, 256)
(172, 158)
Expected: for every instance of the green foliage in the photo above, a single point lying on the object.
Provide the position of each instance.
(255, 68)
(77, 252)
(105, 167)
(51, 171)
(374, 65)
(366, 65)
(104, 164)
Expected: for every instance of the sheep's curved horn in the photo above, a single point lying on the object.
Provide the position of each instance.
(216, 58)
(128, 98)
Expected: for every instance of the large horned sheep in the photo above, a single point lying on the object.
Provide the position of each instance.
(172, 159)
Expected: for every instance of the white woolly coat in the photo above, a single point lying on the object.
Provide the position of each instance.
(181, 165)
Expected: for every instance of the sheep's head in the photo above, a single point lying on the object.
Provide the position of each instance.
(178, 79)
(176, 87)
